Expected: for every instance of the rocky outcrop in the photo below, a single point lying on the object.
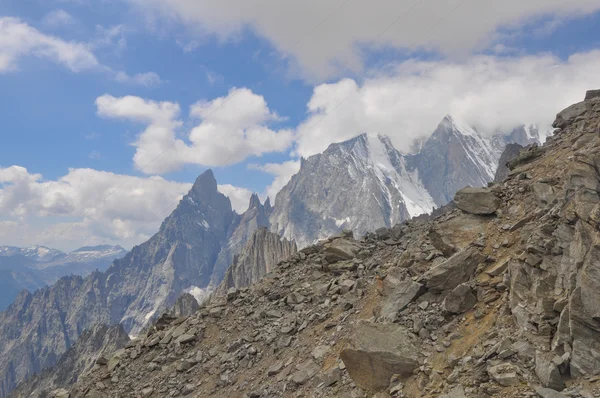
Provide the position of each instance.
(510, 152)
(185, 305)
(479, 201)
(261, 254)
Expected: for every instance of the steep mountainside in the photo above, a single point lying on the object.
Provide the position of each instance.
(76, 361)
(496, 297)
(35, 267)
(37, 328)
(361, 184)
(510, 152)
(365, 183)
(260, 255)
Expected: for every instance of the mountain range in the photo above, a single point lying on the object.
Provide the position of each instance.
(38, 266)
(361, 184)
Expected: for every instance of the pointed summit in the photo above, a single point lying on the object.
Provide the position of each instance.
(254, 201)
(205, 181)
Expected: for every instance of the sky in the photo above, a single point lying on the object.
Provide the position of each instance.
(111, 108)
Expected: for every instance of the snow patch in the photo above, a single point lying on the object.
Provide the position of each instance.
(199, 294)
(150, 314)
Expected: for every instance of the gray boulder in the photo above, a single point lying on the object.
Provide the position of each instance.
(454, 271)
(460, 299)
(480, 201)
(377, 352)
(341, 249)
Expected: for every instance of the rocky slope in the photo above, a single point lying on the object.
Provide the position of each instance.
(35, 267)
(182, 256)
(387, 186)
(494, 298)
(510, 152)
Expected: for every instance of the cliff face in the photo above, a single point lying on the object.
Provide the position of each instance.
(494, 297)
(77, 361)
(263, 251)
(510, 152)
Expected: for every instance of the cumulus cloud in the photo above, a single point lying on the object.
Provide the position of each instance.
(325, 37)
(240, 197)
(18, 39)
(228, 130)
(88, 207)
(282, 173)
(411, 98)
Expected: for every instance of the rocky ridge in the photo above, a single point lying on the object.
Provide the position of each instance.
(494, 298)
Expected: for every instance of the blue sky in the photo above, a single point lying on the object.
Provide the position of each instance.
(93, 90)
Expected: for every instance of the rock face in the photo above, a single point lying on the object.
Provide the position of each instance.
(480, 201)
(78, 360)
(456, 270)
(261, 254)
(38, 266)
(388, 187)
(182, 256)
(510, 152)
(315, 203)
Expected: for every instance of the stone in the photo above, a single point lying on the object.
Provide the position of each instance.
(275, 368)
(330, 378)
(568, 115)
(341, 249)
(498, 268)
(456, 392)
(146, 392)
(185, 338)
(378, 351)
(459, 300)
(547, 371)
(102, 360)
(504, 374)
(454, 271)
(306, 371)
(590, 94)
(479, 201)
(397, 295)
(319, 351)
(549, 393)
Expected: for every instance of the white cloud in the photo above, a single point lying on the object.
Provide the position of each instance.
(408, 102)
(148, 79)
(58, 18)
(88, 207)
(17, 39)
(325, 37)
(230, 129)
(282, 173)
(240, 197)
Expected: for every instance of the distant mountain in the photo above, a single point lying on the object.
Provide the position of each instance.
(364, 183)
(361, 184)
(38, 266)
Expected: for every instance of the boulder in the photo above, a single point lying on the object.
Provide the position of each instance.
(547, 371)
(549, 393)
(378, 351)
(456, 392)
(460, 299)
(341, 249)
(568, 115)
(397, 295)
(480, 201)
(454, 271)
(590, 94)
(504, 374)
